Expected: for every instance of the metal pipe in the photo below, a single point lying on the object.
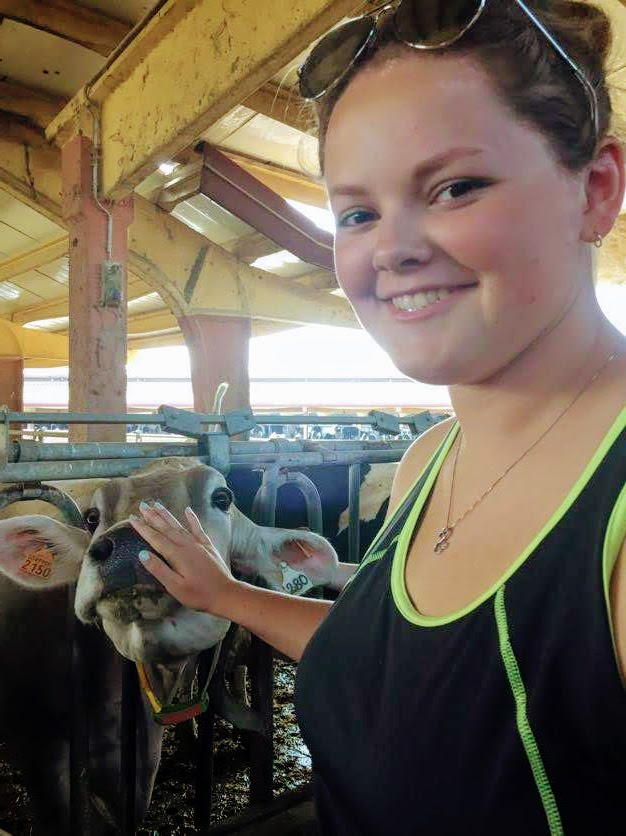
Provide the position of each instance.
(311, 496)
(110, 468)
(354, 495)
(37, 451)
(40, 451)
(205, 418)
(128, 765)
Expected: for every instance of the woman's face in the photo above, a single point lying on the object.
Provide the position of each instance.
(457, 236)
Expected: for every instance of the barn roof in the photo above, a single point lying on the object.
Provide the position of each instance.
(164, 77)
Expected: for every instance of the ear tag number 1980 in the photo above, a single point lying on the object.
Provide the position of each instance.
(294, 582)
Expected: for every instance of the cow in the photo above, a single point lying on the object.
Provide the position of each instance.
(127, 612)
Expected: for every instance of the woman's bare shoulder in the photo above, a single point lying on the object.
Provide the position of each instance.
(415, 460)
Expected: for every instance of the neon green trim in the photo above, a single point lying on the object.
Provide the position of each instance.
(398, 586)
(368, 554)
(523, 726)
(614, 540)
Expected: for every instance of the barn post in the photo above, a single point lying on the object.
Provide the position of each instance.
(218, 349)
(97, 294)
(12, 383)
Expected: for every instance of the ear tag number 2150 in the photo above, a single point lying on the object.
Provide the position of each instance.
(294, 582)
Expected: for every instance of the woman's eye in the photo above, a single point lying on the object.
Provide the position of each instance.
(355, 217)
(459, 189)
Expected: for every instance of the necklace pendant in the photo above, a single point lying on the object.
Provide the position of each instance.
(443, 539)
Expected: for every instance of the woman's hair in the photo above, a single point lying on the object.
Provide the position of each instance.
(527, 73)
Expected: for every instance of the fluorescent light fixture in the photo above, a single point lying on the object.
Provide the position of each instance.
(167, 167)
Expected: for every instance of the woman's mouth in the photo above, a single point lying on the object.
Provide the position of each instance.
(426, 301)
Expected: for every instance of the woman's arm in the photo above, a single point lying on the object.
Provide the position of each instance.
(196, 575)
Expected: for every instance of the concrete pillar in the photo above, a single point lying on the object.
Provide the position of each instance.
(97, 376)
(218, 348)
(12, 383)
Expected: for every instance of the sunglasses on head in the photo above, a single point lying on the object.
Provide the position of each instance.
(421, 24)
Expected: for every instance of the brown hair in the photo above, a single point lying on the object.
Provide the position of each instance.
(528, 74)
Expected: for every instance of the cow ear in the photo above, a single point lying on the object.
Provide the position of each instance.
(290, 560)
(41, 553)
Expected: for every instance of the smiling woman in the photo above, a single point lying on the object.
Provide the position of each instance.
(469, 676)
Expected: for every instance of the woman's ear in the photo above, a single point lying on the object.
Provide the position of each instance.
(604, 189)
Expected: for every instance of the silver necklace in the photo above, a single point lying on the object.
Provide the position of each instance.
(444, 535)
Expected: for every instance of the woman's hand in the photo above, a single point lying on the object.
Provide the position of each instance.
(196, 575)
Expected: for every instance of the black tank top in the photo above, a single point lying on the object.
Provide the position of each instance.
(506, 718)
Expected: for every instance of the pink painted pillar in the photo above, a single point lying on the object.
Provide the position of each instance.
(12, 383)
(218, 348)
(97, 375)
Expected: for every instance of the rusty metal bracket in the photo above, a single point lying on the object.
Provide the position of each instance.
(181, 421)
(239, 421)
(385, 422)
(422, 421)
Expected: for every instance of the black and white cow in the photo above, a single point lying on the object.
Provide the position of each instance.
(40, 557)
(331, 482)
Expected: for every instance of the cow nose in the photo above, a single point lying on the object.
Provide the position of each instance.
(102, 549)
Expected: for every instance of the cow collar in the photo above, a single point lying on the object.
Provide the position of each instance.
(174, 712)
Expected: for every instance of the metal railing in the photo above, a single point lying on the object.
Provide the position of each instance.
(28, 463)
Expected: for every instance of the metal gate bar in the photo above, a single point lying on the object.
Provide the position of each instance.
(29, 461)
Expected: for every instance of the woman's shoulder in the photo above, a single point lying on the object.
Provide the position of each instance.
(415, 460)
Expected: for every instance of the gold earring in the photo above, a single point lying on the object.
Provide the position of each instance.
(597, 241)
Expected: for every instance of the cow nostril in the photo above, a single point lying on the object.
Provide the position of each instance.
(102, 548)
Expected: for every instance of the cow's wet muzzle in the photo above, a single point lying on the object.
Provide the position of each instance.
(116, 554)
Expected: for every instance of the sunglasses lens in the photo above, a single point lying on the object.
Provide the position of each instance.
(432, 23)
(333, 55)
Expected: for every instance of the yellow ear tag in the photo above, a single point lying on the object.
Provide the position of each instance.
(38, 563)
(295, 582)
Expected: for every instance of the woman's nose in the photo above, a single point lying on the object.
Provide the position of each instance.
(400, 247)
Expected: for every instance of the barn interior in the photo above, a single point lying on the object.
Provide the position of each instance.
(153, 156)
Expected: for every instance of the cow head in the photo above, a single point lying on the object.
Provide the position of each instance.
(144, 622)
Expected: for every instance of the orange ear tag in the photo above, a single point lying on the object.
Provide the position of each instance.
(38, 563)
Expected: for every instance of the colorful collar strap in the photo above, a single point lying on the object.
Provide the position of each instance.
(176, 712)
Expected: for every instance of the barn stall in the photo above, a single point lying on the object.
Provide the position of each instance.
(153, 157)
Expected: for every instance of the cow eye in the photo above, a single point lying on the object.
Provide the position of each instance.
(222, 498)
(92, 519)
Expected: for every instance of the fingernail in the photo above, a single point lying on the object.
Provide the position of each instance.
(158, 505)
(133, 518)
(143, 506)
(143, 555)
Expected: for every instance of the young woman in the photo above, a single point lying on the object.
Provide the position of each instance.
(469, 679)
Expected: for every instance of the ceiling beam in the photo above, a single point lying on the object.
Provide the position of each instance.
(34, 258)
(281, 105)
(191, 274)
(38, 107)
(238, 191)
(70, 21)
(187, 67)
(19, 130)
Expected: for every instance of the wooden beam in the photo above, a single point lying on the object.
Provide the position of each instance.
(70, 21)
(191, 274)
(38, 107)
(282, 106)
(192, 63)
(251, 246)
(292, 185)
(33, 258)
(17, 129)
